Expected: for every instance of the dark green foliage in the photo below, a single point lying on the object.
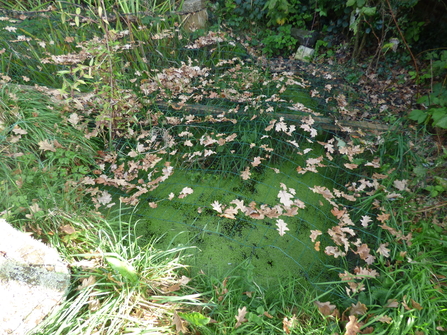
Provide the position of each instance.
(435, 108)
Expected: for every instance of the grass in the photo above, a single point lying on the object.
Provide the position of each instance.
(53, 174)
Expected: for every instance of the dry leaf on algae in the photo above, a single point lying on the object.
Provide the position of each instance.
(217, 206)
(185, 191)
(282, 227)
(245, 175)
(285, 198)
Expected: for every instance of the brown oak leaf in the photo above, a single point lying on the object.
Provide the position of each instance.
(352, 327)
(240, 317)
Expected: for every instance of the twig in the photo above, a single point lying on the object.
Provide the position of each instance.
(425, 209)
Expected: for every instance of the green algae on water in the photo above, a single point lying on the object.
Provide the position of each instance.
(222, 243)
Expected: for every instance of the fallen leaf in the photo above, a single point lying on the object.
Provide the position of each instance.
(337, 212)
(351, 166)
(240, 317)
(18, 130)
(185, 192)
(184, 280)
(379, 176)
(74, 119)
(67, 229)
(287, 324)
(239, 204)
(230, 213)
(383, 250)
(352, 327)
(46, 146)
(365, 220)
(86, 282)
(282, 227)
(358, 309)
(391, 303)
(325, 308)
(415, 305)
(179, 325)
(375, 163)
(383, 217)
(217, 206)
(245, 175)
(173, 288)
(256, 161)
(385, 319)
(314, 234)
(285, 198)
(105, 198)
(401, 185)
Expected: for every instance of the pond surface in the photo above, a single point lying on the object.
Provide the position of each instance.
(221, 244)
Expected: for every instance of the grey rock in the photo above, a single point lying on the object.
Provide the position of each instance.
(33, 281)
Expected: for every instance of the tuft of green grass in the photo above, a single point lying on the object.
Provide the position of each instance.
(118, 287)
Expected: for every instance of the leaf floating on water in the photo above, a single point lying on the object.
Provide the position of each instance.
(282, 227)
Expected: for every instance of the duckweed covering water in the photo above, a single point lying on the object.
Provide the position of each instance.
(222, 243)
